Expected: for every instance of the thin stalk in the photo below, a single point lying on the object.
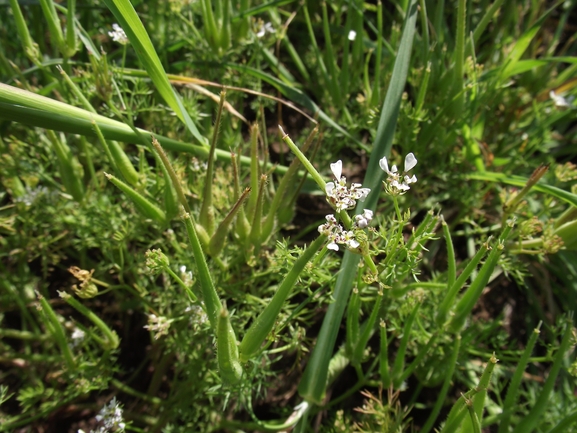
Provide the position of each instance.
(57, 332)
(442, 395)
(206, 216)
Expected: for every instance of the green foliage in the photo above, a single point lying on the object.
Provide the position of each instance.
(192, 290)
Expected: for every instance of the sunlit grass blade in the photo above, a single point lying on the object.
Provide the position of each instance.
(522, 43)
(35, 110)
(206, 216)
(367, 330)
(211, 299)
(109, 339)
(473, 292)
(55, 327)
(522, 181)
(530, 421)
(132, 25)
(218, 239)
(399, 364)
(264, 323)
(313, 383)
(30, 47)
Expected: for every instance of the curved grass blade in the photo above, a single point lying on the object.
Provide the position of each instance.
(31, 109)
(130, 22)
(559, 193)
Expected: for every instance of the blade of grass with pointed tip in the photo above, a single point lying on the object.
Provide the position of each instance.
(313, 382)
(530, 421)
(137, 35)
(522, 44)
(559, 193)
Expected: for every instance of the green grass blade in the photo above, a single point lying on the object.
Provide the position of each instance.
(559, 193)
(313, 383)
(31, 109)
(450, 369)
(530, 421)
(295, 95)
(130, 22)
(263, 324)
(522, 44)
(513, 389)
(391, 107)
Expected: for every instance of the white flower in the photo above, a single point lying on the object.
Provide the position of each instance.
(559, 100)
(158, 324)
(337, 235)
(338, 195)
(397, 184)
(111, 417)
(118, 35)
(77, 336)
(362, 220)
(264, 29)
(352, 35)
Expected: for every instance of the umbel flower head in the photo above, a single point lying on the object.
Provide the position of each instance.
(398, 183)
(117, 34)
(338, 195)
(337, 235)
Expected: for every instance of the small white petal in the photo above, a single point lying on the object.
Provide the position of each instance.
(384, 164)
(352, 35)
(393, 169)
(559, 100)
(330, 188)
(410, 161)
(368, 214)
(364, 193)
(361, 221)
(333, 246)
(353, 243)
(409, 180)
(337, 169)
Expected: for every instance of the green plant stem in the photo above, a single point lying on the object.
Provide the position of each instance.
(110, 340)
(58, 332)
(449, 370)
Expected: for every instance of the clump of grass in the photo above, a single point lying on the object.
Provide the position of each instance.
(172, 260)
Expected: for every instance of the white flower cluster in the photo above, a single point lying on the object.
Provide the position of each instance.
(77, 337)
(338, 195)
(338, 235)
(117, 34)
(111, 418)
(264, 29)
(159, 325)
(397, 183)
(560, 101)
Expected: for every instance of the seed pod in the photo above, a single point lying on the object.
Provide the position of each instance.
(146, 207)
(228, 363)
